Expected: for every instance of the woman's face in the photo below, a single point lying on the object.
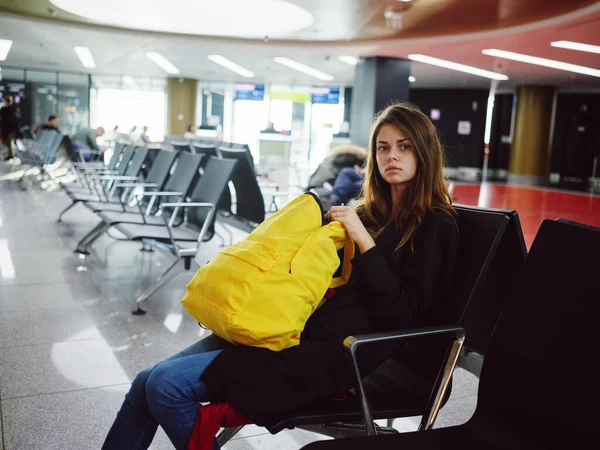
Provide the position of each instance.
(395, 155)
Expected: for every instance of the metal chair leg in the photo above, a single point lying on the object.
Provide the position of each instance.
(225, 435)
(158, 283)
(90, 237)
(65, 210)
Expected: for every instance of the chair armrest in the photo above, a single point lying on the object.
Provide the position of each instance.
(101, 170)
(435, 400)
(115, 177)
(160, 193)
(91, 164)
(186, 204)
(176, 205)
(136, 185)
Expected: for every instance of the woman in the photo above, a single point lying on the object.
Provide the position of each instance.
(406, 235)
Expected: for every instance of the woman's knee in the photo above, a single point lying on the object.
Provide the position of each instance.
(137, 391)
(161, 387)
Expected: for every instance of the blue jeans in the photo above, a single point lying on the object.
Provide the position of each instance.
(167, 394)
(81, 148)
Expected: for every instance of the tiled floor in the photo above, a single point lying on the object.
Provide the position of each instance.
(69, 345)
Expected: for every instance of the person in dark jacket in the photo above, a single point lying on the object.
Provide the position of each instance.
(9, 124)
(51, 125)
(406, 233)
(341, 157)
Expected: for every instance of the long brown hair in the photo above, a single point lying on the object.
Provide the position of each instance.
(427, 190)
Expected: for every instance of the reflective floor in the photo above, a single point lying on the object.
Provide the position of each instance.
(69, 346)
(533, 204)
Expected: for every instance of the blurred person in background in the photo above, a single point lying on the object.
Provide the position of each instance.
(9, 124)
(191, 131)
(144, 138)
(85, 139)
(51, 125)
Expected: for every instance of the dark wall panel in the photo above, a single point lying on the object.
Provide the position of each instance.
(457, 105)
(501, 127)
(576, 138)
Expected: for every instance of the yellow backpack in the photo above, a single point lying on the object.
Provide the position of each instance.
(261, 291)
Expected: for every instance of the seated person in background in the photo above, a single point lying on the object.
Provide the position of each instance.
(348, 184)
(52, 124)
(191, 131)
(144, 138)
(346, 187)
(340, 157)
(406, 233)
(85, 139)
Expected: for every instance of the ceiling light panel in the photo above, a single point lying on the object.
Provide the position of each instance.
(5, 46)
(542, 62)
(303, 68)
(576, 46)
(230, 65)
(459, 67)
(162, 62)
(352, 60)
(85, 56)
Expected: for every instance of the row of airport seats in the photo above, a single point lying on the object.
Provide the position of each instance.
(537, 385)
(529, 315)
(173, 208)
(40, 151)
(219, 148)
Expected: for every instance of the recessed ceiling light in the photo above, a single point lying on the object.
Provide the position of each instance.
(459, 67)
(5, 45)
(352, 60)
(85, 56)
(162, 62)
(303, 68)
(542, 62)
(228, 64)
(576, 46)
(412, 79)
(405, 1)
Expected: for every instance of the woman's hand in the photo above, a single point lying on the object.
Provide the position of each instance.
(354, 227)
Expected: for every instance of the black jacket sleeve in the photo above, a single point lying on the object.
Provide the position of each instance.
(399, 291)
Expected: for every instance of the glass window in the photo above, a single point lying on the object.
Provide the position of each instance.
(73, 102)
(129, 104)
(43, 89)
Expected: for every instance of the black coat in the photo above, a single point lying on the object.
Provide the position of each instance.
(391, 292)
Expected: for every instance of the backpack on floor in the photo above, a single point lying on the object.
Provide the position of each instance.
(262, 290)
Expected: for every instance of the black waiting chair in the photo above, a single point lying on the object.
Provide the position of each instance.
(402, 386)
(181, 146)
(248, 211)
(178, 187)
(207, 149)
(87, 179)
(155, 180)
(485, 308)
(538, 388)
(183, 240)
(83, 171)
(104, 183)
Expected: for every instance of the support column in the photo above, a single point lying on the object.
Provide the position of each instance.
(531, 146)
(181, 104)
(378, 81)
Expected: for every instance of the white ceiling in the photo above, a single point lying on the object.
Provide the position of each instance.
(49, 45)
